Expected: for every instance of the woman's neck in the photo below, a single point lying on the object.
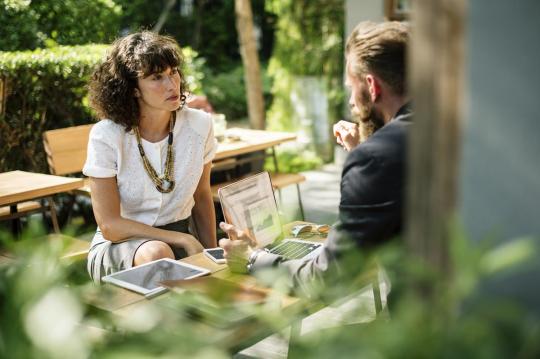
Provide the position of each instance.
(154, 127)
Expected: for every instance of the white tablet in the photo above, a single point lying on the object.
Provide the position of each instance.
(145, 279)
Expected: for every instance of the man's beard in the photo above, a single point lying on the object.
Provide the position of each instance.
(368, 118)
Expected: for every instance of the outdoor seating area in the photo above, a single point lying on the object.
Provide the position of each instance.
(269, 179)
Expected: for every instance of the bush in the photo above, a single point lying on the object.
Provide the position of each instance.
(43, 23)
(226, 91)
(46, 89)
(293, 160)
(309, 43)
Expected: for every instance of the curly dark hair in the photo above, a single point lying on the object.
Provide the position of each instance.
(113, 83)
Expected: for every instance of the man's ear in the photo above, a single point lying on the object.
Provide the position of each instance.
(374, 87)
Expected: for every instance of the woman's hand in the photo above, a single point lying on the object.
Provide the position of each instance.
(192, 245)
(186, 241)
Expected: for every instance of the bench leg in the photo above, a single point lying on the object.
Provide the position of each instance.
(300, 202)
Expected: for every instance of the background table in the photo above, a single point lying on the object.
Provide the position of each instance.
(250, 141)
(21, 186)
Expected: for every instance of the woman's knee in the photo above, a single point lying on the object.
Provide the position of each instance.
(151, 251)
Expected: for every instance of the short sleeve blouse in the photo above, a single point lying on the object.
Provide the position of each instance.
(113, 152)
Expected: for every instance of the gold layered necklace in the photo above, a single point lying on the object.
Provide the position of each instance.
(165, 183)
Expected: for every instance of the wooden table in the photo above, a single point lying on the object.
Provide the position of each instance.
(240, 141)
(123, 302)
(249, 141)
(20, 186)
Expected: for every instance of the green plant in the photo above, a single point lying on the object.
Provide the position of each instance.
(206, 26)
(43, 23)
(479, 311)
(45, 313)
(46, 89)
(293, 160)
(226, 91)
(309, 42)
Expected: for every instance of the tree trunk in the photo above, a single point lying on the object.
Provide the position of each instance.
(437, 71)
(250, 59)
(163, 16)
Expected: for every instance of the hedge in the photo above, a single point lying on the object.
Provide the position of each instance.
(46, 89)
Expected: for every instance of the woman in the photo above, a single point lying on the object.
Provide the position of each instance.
(148, 160)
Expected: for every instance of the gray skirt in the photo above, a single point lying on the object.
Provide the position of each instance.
(106, 257)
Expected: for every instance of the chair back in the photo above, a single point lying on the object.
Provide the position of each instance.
(66, 149)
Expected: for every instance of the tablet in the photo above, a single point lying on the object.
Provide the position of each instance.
(146, 279)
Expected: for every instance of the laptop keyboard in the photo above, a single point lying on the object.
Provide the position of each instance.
(294, 250)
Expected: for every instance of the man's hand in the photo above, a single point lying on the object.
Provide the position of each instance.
(347, 134)
(237, 247)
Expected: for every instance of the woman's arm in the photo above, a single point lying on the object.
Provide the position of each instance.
(115, 228)
(203, 212)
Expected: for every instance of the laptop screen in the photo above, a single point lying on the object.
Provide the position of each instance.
(250, 204)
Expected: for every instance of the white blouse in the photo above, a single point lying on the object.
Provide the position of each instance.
(113, 152)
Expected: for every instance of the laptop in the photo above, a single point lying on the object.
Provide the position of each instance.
(250, 204)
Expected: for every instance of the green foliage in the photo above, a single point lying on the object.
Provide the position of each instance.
(309, 42)
(293, 160)
(210, 28)
(46, 89)
(45, 313)
(463, 318)
(226, 91)
(43, 23)
(309, 36)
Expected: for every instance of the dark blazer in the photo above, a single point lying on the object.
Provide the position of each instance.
(372, 197)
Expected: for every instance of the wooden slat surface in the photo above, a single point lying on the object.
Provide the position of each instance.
(66, 148)
(21, 208)
(250, 141)
(20, 186)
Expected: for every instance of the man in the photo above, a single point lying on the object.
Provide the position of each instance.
(373, 177)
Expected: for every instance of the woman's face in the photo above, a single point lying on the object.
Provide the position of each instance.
(159, 91)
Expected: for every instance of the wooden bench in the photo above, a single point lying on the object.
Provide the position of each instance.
(23, 208)
(66, 151)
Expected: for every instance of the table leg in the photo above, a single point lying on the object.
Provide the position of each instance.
(301, 205)
(54, 219)
(16, 228)
(274, 156)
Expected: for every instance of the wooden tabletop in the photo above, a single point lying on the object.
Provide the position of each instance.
(20, 186)
(239, 141)
(120, 297)
(123, 302)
